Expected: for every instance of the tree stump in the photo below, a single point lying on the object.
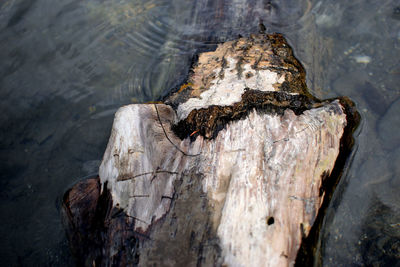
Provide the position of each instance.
(231, 169)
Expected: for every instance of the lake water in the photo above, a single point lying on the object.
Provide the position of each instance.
(67, 65)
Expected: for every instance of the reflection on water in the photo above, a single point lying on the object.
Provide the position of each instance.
(66, 66)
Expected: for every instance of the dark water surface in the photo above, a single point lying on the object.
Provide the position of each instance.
(67, 65)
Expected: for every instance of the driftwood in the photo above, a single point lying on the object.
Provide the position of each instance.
(231, 169)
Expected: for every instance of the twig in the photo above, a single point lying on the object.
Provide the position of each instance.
(162, 126)
(137, 219)
(120, 179)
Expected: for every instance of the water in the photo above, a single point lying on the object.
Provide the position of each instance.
(66, 66)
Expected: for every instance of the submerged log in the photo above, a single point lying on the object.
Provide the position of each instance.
(231, 169)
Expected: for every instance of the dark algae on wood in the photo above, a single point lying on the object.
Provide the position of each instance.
(236, 167)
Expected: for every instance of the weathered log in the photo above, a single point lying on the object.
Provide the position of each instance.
(232, 169)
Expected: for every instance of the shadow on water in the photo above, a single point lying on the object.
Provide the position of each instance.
(66, 66)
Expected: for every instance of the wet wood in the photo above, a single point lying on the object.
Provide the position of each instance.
(231, 169)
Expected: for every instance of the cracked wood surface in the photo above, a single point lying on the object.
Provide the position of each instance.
(230, 172)
(263, 167)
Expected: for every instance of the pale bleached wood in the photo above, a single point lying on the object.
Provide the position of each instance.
(263, 167)
(244, 187)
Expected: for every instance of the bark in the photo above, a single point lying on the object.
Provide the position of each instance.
(231, 169)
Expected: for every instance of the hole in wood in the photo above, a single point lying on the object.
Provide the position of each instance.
(270, 220)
